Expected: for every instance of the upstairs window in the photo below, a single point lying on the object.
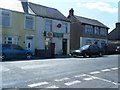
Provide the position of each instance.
(103, 31)
(64, 28)
(29, 22)
(89, 29)
(97, 30)
(5, 18)
(48, 26)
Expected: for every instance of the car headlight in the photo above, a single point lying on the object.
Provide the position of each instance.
(77, 51)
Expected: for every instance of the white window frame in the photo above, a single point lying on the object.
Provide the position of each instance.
(10, 17)
(33, 27)
(103, 31)
(96, 30)
(89, 29)
(64, 27)
(12, 41)
(50, 23)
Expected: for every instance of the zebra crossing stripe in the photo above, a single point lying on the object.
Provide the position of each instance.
(73, 82)
(38, 84)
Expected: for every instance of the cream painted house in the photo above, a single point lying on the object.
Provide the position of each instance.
(17, 25)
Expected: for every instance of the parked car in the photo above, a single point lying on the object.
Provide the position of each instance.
(14, 51)
(117, 50)
(87, 50)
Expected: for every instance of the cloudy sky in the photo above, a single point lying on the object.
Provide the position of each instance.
(105, 11)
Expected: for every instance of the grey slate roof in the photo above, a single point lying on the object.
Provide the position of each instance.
(47, 12)
(90, 21)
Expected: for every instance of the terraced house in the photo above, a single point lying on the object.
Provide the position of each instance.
(18, 25)
(43, 30)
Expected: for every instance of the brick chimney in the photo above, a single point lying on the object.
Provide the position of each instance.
(71, 12)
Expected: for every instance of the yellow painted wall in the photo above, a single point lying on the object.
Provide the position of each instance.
(17, 28)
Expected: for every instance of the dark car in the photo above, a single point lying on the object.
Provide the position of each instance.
(117, 50)
(88, 50)
(14, 51)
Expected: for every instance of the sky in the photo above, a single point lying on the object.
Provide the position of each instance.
(105, 11)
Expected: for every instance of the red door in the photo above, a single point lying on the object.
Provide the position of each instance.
(52, 49)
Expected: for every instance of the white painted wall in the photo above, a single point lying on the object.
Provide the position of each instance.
(58, 45)
(40, 27)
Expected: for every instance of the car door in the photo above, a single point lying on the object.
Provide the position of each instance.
(7, 50)
(91, 50)
(19, 52)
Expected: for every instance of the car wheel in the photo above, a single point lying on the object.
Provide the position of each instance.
(28, 55)
(90, 55)
(74, 56)
(100, 54)
(85, 55)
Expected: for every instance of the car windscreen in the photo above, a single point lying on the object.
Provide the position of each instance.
(85, 47)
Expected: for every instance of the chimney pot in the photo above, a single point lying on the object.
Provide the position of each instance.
(71, 12)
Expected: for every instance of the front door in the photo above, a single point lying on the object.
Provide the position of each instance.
(29, 43)
(52, 49)
(64, 46)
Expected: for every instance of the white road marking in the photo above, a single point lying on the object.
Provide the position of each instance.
(53, 86)
(96, 72)
(73, 82)
(105, 70)
(57, 80)
(81, 75)
(87, 79)
(104, 80)
(38, 84)
(114, 68)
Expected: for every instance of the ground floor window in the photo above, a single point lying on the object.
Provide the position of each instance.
(9, 39)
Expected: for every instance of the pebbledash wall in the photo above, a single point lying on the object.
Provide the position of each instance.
(16, 33)
(57, 36)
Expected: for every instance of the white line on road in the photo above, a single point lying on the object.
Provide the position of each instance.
(105, 70)
(57, 80)
(53, 86)
(87, 79)
(38, 84)
(114, 68)
(96, 72)
(103, 80)
(81, 75)
(73, 82)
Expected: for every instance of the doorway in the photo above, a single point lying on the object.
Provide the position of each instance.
(64, 46)
(30, 43)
